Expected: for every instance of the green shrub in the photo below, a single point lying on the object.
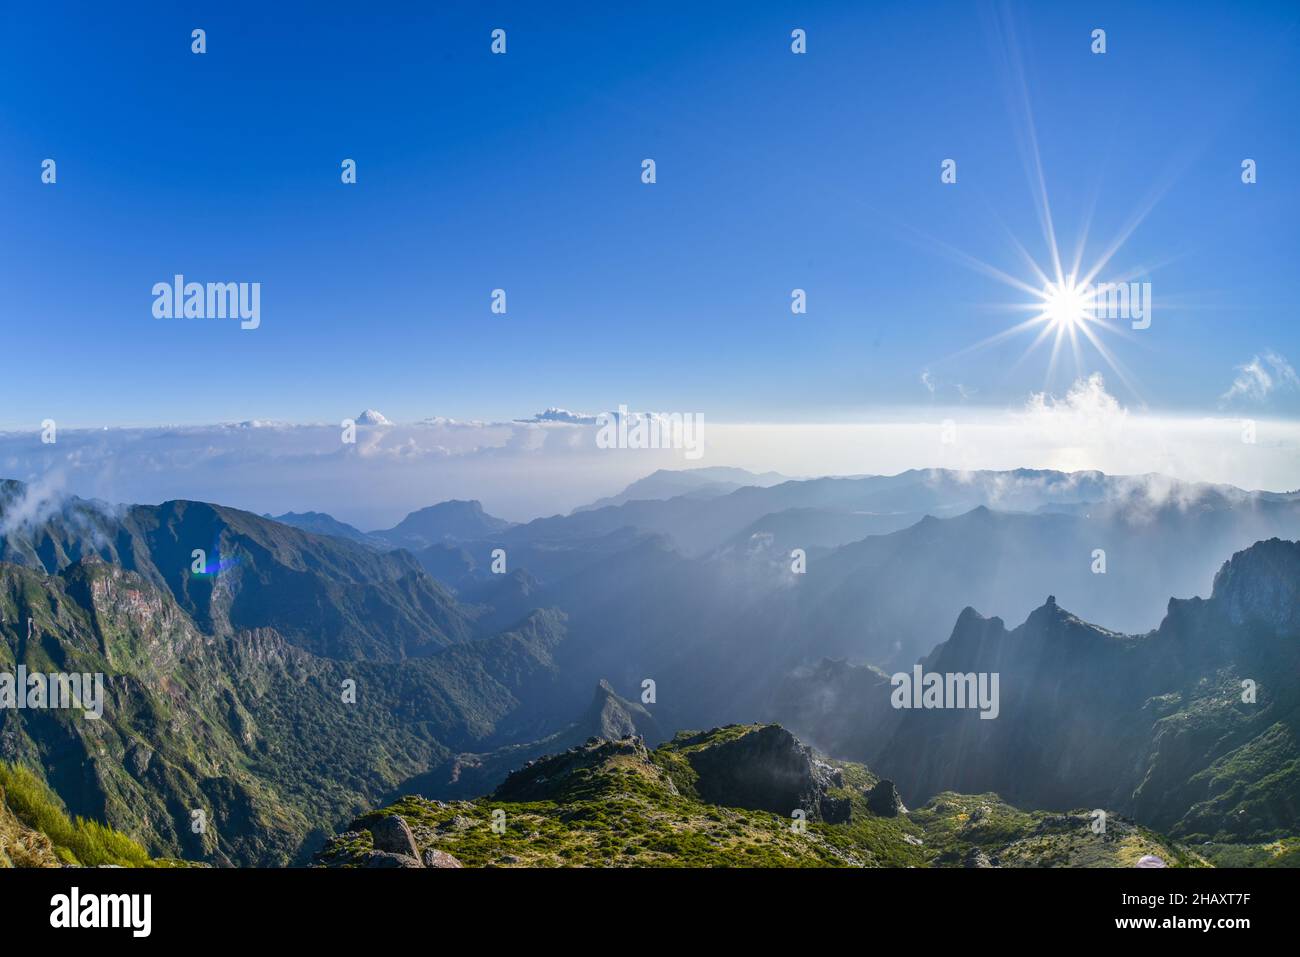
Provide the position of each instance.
(75, 840)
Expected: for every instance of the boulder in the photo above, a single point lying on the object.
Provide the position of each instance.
(388, 859)
(884, 800)
(392, 834)
(434, 858)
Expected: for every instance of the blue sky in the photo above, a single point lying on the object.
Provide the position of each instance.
(522, 171)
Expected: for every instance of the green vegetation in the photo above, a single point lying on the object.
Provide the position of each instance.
(1283, 853)
(245, 727)
(617, 804)
(35, 830)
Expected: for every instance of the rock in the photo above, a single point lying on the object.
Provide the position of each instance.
(138, 758)
(833, 776)
(392, 834)
(613, 718)
(836, 810)
(388, 859)
(884, 799)
(1150, 860)
(434, 858)
(976, 858)
(763, 769)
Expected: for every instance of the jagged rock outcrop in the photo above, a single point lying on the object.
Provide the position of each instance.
(883, 799)
(1262, 585)
(765, 768)
(613, 717)
(1190, 729)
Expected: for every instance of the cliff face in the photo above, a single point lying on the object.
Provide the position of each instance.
(1261, 586)
(1191, 728)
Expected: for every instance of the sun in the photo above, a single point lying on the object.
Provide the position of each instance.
(1066, 306)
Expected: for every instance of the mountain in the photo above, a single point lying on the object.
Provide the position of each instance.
(724, 798)
(697, 526)
(810, 528)
(888, 599)
(319, 523)
(705, 482)
(722, 630)
(452, 521)
(453, 566)
(329, 595)
(1193, 728)
(503, 599)
(254, 731)
(225, 687)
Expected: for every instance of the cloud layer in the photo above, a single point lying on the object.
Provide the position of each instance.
(552, 463)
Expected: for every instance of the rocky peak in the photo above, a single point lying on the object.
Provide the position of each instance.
(612, 717)
(762, 768)
(1262, 584)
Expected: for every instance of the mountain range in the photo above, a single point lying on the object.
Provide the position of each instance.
(229, 673)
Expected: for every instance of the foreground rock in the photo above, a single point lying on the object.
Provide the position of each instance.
(434, 858)
(763, 768)
(393, 834)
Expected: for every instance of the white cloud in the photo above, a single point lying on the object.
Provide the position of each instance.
(1087, 409)
(563, 416)
(523, 469)
(1260, 377)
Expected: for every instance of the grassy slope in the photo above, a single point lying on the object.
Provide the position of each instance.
(637, 808)
(35, 830)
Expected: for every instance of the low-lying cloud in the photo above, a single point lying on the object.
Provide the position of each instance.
(551, 463)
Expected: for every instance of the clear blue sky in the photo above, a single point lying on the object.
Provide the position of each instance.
(522, 171)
